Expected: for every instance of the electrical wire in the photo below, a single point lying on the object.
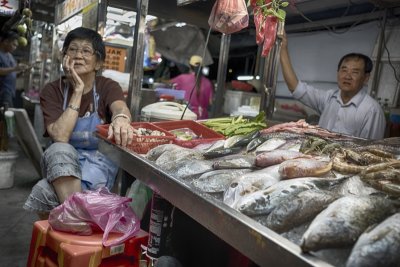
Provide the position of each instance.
(388, 53)
(197, 73)
(330, 29)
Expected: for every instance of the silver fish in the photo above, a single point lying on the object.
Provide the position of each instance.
(237, 161)
(231, 141)
(379, 246)
(250, 182)
(292, 145)
(270, 144)
(217, 181)
(284, 135)
(216, 146)
(299, 209)
(253, 144)
(344, 220)
(189, 169)
(156, 152)
(354, 186)
(170, 157)
(264, 201)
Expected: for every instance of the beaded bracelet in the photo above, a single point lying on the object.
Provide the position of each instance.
(120, 115)
(76, 108)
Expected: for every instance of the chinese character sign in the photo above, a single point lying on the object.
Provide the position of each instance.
(8, 7)
(115, 58)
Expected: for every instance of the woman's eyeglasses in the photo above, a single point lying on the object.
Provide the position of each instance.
(85, 52)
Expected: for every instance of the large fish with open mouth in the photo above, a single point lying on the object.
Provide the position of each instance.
(264, 201)
(298, 209)
(379, 246)
(344, 220)
(217, 181)
(250, 182)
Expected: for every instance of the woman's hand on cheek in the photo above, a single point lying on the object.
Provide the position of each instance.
(70, 73)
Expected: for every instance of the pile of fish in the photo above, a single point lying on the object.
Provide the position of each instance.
(344, 192)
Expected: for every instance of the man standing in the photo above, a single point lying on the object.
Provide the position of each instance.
(347, 109)
(8, 67)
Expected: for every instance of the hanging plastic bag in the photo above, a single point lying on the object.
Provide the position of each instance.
(93, 211)
(229, 16)
(140, 195)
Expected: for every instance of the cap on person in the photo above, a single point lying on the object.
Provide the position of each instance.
(195, 60)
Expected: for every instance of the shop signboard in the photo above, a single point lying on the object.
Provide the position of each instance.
(68, 8)
(115, 58)
(8, 7)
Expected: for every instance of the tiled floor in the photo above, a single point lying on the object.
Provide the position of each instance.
(16, 223)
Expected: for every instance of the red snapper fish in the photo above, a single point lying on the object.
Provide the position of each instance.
(277, 156)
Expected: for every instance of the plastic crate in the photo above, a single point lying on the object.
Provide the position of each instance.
(142, 144)
(205, 134)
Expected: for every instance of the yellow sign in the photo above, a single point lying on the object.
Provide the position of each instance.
(68, 8)
(115, 58)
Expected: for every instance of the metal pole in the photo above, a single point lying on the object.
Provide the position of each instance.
(221, 76)
(270, 76)
(135, 82)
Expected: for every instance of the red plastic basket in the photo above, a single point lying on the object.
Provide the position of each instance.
(142, 144)
(205, 135)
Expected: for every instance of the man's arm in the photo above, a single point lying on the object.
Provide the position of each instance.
(18, 68)
(287, 69)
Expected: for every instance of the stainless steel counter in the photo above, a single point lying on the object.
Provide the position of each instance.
(258, 243)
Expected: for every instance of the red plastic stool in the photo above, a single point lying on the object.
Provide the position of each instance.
(53, 248)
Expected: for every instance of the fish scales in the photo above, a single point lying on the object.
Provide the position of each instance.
(264, 201)
(237, 161)
(250, 182)
(299, 209)
(270, 144)
(217, 181)
(344, 220)
(379, 246)
(156, 152)
(170, 157)
(190, 168)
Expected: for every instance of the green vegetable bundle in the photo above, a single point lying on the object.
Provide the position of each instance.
(230, 126)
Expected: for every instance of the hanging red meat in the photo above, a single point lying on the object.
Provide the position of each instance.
(267, 14)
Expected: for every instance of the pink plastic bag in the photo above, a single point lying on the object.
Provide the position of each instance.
(91, 211)
(229, 16)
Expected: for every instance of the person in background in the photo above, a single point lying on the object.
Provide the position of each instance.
(347, 109)
(198, 93)
(9, 68)
(72, 107)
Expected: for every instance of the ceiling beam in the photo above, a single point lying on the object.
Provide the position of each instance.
(342, 21)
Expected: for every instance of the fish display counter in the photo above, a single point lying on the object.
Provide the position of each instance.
(258, 243)
(291, 194)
